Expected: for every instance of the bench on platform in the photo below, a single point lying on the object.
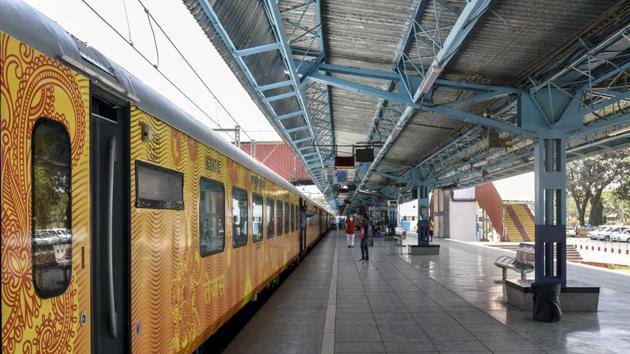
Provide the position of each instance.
(523, 262)
(399, 238)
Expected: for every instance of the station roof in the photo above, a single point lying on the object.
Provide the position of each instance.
(428, 83)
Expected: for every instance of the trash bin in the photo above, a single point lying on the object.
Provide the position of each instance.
(547, 302)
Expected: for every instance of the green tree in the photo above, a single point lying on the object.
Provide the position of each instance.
(622, 194)
(587, 178)
(596, 216)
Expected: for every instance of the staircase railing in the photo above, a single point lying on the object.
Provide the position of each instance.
(489, 200)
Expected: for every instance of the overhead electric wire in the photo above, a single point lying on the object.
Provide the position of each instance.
(161, 72)
(149, 61)
(127, 19)
(203, 82)
(157, 50)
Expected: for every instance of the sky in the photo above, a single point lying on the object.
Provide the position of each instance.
(179, 24)
(519, 187)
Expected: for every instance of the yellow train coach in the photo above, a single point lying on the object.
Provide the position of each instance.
(127, 225)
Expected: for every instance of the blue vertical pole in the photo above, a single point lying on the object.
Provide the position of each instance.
(423, 215)
(550, 196)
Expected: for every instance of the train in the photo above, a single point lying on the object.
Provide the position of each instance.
(127, 224)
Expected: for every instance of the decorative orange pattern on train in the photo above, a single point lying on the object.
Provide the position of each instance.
(178, 297)
(35, 86)
(312, 225)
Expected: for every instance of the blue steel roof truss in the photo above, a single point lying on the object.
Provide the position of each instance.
(601, 95)
(595, 86)
(427, 64)
(587, 98)
(304, 35)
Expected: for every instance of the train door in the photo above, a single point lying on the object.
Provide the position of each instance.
(302, 225)
(110, 241)
(320, 218)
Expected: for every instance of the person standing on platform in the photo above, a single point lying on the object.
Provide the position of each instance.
(365, 234)
(350, 231)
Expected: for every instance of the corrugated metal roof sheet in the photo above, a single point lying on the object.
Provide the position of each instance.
(515, 36)
(511, 40)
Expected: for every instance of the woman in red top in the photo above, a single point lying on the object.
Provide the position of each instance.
(350, 231)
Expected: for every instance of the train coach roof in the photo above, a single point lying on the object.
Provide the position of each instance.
(25, 23)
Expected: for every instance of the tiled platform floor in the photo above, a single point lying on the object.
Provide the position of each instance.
(398, 303)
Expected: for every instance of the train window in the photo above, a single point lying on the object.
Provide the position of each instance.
(279, 212)
(211, 217)
(286, 218)
(239, 217)
(158, 187)
(269, 207)
(257, 217)
(292, 217)
(51, 209)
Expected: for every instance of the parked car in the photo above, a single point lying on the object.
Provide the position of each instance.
(605, 235)
(594, 235)
(621, 236)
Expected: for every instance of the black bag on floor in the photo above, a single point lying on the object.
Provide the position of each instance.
(546, 302)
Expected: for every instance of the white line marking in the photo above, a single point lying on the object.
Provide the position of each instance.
(328, 343)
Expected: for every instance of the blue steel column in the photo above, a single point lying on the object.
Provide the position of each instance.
(550, 195)
(422, 180)
(392, 220)
(423, 214)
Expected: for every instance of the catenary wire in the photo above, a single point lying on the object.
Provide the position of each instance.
(148, 61)
(203, 82)
(160, 71)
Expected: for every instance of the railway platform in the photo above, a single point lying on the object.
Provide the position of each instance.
(400, 303)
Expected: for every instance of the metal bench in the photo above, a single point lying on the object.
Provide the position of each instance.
(399, 239)
(523, 262)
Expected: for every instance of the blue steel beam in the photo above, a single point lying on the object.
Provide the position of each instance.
(460, 30)
(604, 121)
(307, 42)
(390, 176)
(275, 85)
(477, 98)
(397, 77)
(257, 50)
(308, 138)
(601, 124)
(402, 97)
(520, 160)
(513, 167)
(289, 115)
(297, 129)
(282, 46)
(445, 148)
(281, 96)
(278, 25)
(605, 98)
(479, 120)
